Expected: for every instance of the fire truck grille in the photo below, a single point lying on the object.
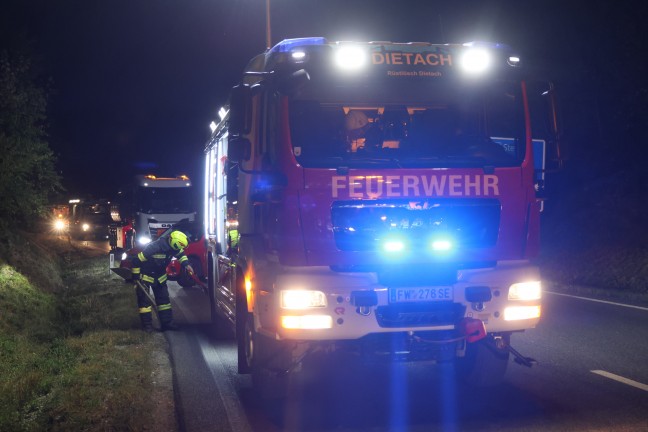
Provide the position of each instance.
(363, 226)
(419, 314)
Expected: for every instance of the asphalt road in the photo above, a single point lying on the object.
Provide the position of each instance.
(592, 374)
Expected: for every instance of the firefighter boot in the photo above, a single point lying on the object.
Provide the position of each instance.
(166, 320)
(146, 320)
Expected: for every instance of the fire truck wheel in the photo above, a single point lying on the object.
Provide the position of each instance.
(484, 364)
(268, 361)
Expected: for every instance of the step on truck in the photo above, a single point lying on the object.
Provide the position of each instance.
(385, 199)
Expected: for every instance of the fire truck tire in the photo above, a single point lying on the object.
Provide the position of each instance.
(484, 364)
(268, 361)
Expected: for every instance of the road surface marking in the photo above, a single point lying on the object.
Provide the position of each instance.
(598, 301)
(621, 379)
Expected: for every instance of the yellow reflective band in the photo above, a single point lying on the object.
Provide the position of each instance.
(141, 256)
(162, 278)
(183, 259)
(159, 256)
(135, 270)
(147, 278)
(147, 309)
(164, 307)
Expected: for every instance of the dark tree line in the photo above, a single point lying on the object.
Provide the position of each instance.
(27, 164)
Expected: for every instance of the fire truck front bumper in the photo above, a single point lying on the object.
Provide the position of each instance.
(317, 303)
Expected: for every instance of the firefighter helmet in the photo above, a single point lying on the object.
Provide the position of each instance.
(178, 240)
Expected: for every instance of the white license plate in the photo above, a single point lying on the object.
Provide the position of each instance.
(420, 294)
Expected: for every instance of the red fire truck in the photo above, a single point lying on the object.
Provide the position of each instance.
(385, 200)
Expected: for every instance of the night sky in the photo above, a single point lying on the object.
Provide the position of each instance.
(136, 82)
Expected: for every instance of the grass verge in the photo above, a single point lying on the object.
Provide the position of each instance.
(71, 353)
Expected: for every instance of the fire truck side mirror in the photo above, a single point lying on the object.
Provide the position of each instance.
(554, 126)
(240, 113)
(293, 82)
(239, 149)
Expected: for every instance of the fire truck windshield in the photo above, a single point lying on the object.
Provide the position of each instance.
(165, 200)
(428, 124)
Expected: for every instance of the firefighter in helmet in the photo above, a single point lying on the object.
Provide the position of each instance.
(149, 267)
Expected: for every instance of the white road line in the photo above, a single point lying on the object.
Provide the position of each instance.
(621, 379)
(598, 301)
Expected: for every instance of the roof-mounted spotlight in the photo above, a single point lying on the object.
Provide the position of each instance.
(350, 57)
(298, 56)
(513, 61)
(476, 60)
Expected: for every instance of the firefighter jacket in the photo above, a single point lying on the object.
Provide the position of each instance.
(150, 264)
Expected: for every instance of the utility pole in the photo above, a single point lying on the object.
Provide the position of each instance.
(268, 40)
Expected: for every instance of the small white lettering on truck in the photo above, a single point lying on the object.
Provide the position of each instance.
(392, 186)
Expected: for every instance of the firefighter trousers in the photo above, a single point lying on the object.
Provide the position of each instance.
(161, 294)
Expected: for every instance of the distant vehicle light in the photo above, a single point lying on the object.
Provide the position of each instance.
(59, 225)
(515, 313)
(476, 60)
(143, 240)
(302, 299)
(307, 322)
(525, 291)
(85, 227)
(350, 57)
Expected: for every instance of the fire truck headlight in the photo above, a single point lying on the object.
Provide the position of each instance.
(302, 299)
(350, 57)
(475, 60)
(143, 240)
(85, 227)
(307, 322)
(525, 291)
(514, 313)
(124, 256)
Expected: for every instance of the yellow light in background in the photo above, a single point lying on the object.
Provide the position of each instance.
(514, 313)
(307, 322)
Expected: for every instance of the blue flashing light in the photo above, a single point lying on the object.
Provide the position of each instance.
(441, 245)
(488, 45)
(287, 45)
(393, 245)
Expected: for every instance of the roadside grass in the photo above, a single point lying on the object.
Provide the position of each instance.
(71, 353)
